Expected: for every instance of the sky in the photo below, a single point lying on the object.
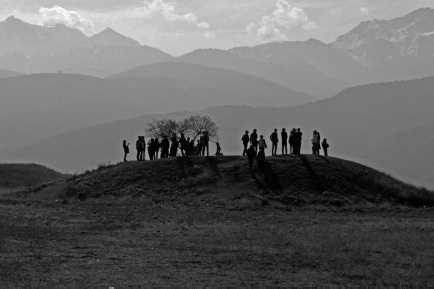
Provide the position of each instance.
(181, 26)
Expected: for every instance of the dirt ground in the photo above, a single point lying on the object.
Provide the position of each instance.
(136, 241)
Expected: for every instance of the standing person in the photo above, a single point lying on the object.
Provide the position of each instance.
(191, 148)
(199, 146)
(205, 144)
(174, 146)
(126, 149)
(219, 150)
(251, 154)
(165, 144)
(245, 140)
(151, 149)
(314, 143)
(143, 153)
(292, 141)
(183, 143)
(261, 159)
(254, 140)
(262, 144)
(325, 147)
(139, 148)
(274, 137)
(156, 148)
(284, 135)
(298, 139)
(318, 145)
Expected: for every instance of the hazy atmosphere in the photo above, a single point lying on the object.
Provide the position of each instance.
(178, 27)
(202, 143)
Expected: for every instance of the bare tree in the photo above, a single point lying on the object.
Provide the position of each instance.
(192, 127)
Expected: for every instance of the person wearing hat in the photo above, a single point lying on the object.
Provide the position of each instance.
(284, 135)
(254, 140)
(274, 137)
(245, 139)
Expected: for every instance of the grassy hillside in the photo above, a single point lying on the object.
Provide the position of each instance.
(26, 175)
(225, 180)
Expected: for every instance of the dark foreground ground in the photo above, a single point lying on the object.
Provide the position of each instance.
(124, 242)
(211, 221)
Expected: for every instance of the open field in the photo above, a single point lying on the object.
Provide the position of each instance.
(122, 242)
(210, 221)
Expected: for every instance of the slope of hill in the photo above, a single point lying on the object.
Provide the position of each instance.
(313, 180)
(26, 175)
(7, 73)
(408, 154)
(297, 78)
(354, 121)
(38, 106)
(109, 37)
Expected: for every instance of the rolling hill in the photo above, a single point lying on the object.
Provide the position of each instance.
(13, 176)
(7, 73)
(408, 154)
(354, 122)
(39, 106)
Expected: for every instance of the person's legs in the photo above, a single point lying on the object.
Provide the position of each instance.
(284, 149)
(245, 148)
(125, 157)
(207, 150)
(138, 155)
(326, 153)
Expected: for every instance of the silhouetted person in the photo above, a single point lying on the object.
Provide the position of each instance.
(219, 150)
(174, 147)
(262, 144)
(126, 149)
(318, 146)
(143, 152)
(245, 140)
(151, 149)
(156, 148)
(315, 143)
(183, 142)
(199, 146)
(165, 144)
(274, 137)
(261, 159)
(191, 148)
(292, 141)
(139, 148)
(284, 135)
(325, 147)
(205, 144)
(251, 153)
(254, 140)
(298, 139)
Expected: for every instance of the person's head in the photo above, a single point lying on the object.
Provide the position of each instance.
(275, 130)
(217, 144)
(325, 140)
(139, 137)
(247, 132)
(254, 130)
(262, 136)
(293, 129)
(125, 141)
(283, 129)
(298, 129)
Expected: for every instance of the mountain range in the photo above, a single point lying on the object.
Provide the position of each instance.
(374, 51)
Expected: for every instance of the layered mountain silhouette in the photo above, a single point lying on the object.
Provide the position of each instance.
(38, 106)
(375, 51)
(357, 122)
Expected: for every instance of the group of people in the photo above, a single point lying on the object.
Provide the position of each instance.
(294, 139)
(169, 148)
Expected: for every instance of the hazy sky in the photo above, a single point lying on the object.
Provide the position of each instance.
(179, 26)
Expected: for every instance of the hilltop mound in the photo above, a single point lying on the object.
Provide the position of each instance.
(26, 175)
(227, 181)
